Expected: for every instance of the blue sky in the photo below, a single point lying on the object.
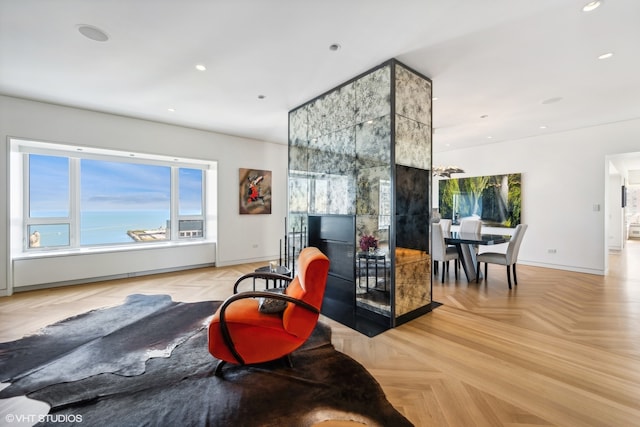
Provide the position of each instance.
(111, 186)
(124, 186)
(49, 184)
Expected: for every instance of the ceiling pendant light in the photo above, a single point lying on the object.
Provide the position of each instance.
(446, 171)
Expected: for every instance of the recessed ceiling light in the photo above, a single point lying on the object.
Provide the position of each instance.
(592, 5)
(606, 55)
(201, 67)
(334, 47)
(172, 110)
(543, 127)
(93, 33)
(489, 137)
(484, 116)
(435, 98)
(261, 96)
(552, 100)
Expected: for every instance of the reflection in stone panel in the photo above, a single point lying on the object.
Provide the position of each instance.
(332, 163)
(413, 96)
(370, 225)
(298, 158)
(372, 192)
(315, 120)
(412, 280)
(298, 193)
(412, 190)
(373, 142)
(333, 194)
(340, 142)
(412, 231)
(413, 143)
(373, 95)
(298, 127)
(339, 109)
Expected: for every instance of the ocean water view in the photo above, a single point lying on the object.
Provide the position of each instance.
(111, 226)
(102, 227)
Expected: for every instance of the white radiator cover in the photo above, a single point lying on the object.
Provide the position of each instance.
(92, 266)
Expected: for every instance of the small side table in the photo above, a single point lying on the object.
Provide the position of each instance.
(279, 269)
(375, 258)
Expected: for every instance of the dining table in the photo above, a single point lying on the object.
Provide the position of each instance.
(466, 244)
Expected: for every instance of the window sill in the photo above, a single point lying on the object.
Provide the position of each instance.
(52, 253)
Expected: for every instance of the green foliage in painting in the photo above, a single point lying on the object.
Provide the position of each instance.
(495, 199)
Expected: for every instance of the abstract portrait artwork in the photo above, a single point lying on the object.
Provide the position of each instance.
(255, 191)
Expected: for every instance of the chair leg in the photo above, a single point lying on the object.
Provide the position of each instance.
(486, 264)
(444, 268)
(515, 278)
(509, 276)
(478, 272)
(455, 269)
(218, 370)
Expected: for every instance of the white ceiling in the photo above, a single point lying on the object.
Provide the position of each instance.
(499, 58)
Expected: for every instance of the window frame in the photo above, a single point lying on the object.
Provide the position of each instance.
(22, 150)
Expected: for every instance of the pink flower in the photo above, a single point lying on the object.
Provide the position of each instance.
(368, 241)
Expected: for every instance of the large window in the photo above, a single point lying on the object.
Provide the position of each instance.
(121, 202)
(93, 199)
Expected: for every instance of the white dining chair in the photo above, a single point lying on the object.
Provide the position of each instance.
(446, 226)
(509, 258)
(440, 252)
(468, 225)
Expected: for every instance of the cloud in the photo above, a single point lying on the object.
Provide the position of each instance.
(130, 200)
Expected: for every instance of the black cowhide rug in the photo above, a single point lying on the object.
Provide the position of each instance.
(145, 363)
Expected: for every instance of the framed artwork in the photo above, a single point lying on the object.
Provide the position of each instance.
(255, 191)
(495, 199)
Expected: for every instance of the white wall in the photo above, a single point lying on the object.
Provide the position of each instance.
(564, 177)
(241, 238)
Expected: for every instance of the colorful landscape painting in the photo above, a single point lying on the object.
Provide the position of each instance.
(495, 199)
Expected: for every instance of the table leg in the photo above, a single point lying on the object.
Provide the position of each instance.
(467, 256)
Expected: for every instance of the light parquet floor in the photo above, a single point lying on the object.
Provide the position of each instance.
(561, 349)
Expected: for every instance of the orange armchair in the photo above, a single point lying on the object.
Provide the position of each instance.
(241, 334)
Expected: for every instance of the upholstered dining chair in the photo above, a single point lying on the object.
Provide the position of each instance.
(509, 258)
(441, 252)
(469, 225)
(242, 333)
(446, 225)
